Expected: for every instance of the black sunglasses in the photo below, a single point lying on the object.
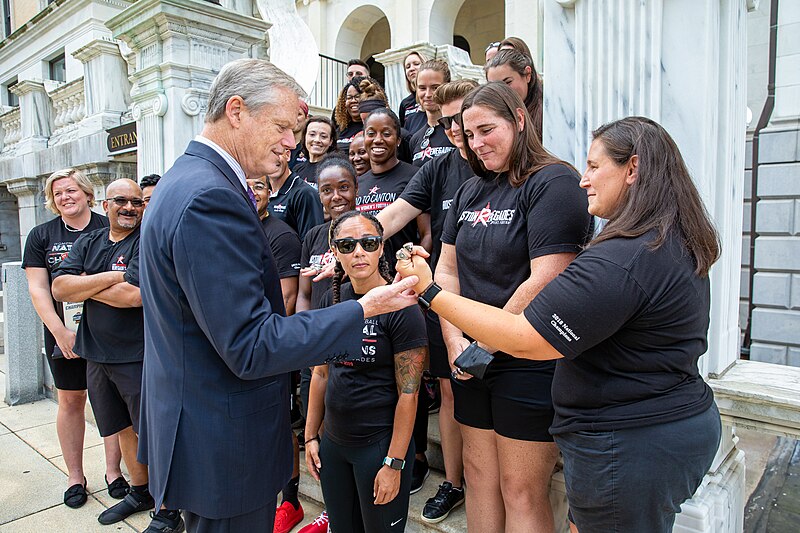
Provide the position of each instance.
(121, 201)
(447, 122)
(347, 245)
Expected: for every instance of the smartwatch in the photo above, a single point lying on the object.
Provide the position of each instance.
(424, 300)
(395, 464)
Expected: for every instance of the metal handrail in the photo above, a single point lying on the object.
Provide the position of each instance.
(331, 78)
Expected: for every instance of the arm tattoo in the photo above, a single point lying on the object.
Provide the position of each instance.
(408, 367)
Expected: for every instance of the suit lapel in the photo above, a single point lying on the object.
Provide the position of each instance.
(206, 152)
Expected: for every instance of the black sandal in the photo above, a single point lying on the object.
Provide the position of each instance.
(76, 495)
(118, 488)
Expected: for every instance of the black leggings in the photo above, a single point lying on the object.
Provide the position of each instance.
(348, 480)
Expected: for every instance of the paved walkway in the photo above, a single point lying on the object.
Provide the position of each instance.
(33, 475)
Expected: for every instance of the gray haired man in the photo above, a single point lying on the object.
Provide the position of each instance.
(215, 426)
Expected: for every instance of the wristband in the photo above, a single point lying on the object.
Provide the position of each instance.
(424, 300)
(393, 463)
(312, 439)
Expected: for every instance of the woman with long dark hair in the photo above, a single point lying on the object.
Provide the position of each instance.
(318, 140)
(516, 70)
(368, 404)
(509, 231)
(627, 321)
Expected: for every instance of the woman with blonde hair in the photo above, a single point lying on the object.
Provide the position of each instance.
(412, 116)
(69, 195)
(430, 142)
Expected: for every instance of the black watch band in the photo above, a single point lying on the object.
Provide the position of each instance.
(428, 295)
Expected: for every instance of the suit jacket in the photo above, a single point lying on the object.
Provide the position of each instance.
(215, 428)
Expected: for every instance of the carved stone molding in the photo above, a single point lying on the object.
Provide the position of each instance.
(194, 102)
(24, 186)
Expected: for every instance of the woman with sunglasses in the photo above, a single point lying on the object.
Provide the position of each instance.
(516, 70)
(367, 405)
(430, 142)
(412, 116)
(346, 114)
(432, 190)
(69, 195)
(319, 139)
(509, 231)
(627, 322)
(388, 177)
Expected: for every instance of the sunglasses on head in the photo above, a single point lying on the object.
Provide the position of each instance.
(495, 44)
(121, 201)
(447, 122)
(347, 245)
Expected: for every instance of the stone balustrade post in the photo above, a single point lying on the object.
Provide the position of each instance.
(30, 197)
(106, 86)
(22, 335)
(35, 116)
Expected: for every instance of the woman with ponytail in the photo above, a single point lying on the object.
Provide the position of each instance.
(368, 404)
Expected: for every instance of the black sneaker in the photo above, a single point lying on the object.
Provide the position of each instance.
(419, 474)
(161, 523)
(447, 498)
(132, 503)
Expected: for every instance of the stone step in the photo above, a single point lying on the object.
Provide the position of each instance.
(456, 522)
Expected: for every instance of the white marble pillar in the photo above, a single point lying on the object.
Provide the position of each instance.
(681, 63)
(291, 44)
(106, 86)
(394, 71)
(30, 197)
(178, 48)
(35, 115)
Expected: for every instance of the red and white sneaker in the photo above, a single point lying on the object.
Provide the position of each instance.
(319, 525)
(286, 517)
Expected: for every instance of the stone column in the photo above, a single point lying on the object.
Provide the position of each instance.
(392, 60)
(36, 120)
(30, 195)
(101, 174)
(179, 47)
(22, 337)
(106, 86)
(607, 59)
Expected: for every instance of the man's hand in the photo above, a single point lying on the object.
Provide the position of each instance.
(388, 298)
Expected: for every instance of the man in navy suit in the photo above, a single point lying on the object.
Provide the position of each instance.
(215, 417)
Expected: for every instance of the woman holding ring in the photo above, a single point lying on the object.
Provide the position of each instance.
(627, 321)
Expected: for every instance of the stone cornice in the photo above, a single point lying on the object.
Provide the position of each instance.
(23, 186)
(396, 55)
(202, 19)
(96, 48)
(27, 86)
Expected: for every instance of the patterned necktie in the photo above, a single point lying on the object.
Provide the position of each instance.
(252, 197)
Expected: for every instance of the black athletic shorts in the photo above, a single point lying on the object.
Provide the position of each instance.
(514, 399)
(68, 374)
(114, 392)
(439, 364)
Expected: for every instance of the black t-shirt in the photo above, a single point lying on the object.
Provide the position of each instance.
(498, 229)
(361, 395)
(631, 323)
(47, 245)
(317, 253)
(412, 116)
(297, 156)
(107, 334)
(432, 190)
(297, 203)
(308, 171)
(429, 143)
(345, 137)
(378, 191)
(285, 246)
